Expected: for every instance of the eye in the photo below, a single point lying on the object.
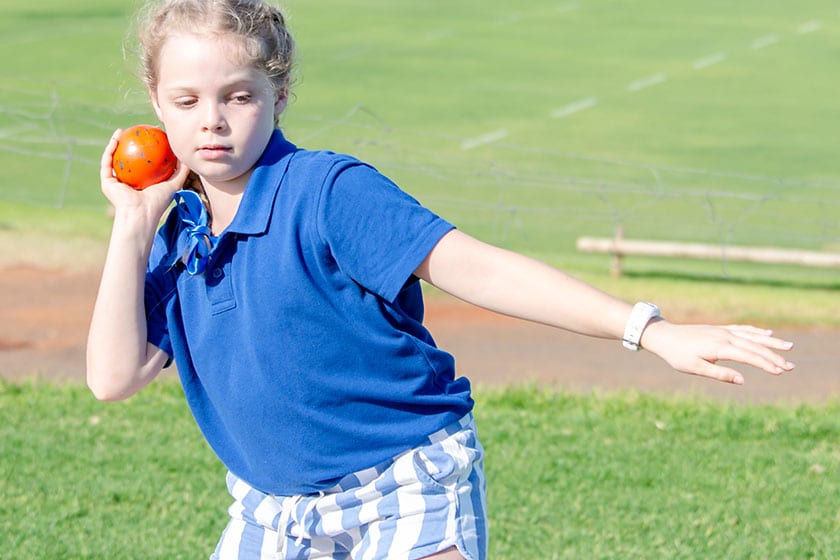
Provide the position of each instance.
(184, 102)
(241, 98)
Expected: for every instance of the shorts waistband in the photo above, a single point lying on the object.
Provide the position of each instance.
(365, 476)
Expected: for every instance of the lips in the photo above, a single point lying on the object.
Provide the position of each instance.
(214, 151)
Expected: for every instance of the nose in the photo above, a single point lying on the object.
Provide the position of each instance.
(214, 119)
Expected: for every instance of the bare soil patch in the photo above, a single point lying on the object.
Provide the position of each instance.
(44, 314)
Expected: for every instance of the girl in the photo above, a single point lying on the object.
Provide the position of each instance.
(284, 284)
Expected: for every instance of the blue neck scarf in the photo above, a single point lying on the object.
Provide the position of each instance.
(199, 240)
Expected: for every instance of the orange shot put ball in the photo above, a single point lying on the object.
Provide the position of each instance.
(143, 157)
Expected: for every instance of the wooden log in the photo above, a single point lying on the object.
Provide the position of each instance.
(768, 255)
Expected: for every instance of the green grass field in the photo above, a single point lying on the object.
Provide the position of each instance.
(570, 476)
(526, 125)
(711, 122)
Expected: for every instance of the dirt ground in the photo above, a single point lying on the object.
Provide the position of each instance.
(45, 308)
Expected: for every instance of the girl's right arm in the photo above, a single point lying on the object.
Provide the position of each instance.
(119, 359)
(515, 285)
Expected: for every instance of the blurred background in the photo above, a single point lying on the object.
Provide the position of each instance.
(527, 125)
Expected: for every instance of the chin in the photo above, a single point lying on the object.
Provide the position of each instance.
(224, 181)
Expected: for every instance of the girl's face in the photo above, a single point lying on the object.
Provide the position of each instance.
(218, 112)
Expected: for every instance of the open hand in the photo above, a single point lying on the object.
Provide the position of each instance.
(699, 349)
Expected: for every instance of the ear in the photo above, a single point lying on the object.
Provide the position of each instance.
(280, 101)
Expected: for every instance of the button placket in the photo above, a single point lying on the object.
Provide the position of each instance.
(219, 286)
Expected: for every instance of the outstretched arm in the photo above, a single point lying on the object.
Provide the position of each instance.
(516, 285)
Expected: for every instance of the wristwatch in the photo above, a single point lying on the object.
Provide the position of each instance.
(639, 318)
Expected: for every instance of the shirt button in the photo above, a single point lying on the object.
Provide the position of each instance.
(217, 273)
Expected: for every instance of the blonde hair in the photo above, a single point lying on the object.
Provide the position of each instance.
(266, 42)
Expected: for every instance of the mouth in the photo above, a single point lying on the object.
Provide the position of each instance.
(214, 151)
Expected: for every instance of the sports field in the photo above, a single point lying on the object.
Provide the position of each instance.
(527, 125)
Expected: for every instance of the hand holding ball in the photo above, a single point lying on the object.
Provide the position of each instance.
(143, 157)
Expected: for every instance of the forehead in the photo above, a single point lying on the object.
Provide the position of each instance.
(188, 57)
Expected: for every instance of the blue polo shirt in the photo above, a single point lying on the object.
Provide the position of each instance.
(301, 347)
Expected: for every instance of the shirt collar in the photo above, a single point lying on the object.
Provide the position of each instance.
(254, 211)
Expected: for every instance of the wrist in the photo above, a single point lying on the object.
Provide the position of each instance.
(654, 334)
(641, 316)
(139, 220)
(133, 228)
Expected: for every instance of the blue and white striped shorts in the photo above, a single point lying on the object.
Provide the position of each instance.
(423, 501)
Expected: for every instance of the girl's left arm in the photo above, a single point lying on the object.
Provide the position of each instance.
(516, 285)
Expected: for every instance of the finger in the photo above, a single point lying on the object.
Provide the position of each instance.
(176, 180)
(765, 347)
(760, 336)
(106, 163)
(181, 173)
(719, 373)
(748, 329)
(756, 355)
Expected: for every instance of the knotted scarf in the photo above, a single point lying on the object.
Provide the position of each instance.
(199, 241)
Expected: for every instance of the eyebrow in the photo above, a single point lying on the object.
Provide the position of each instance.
(250, 83)
(239, 84)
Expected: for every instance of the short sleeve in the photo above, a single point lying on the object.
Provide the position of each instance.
(376, 232)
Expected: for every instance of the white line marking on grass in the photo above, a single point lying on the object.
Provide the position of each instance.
(765, 41)
(488, 138)
(510, 19)
(568, 7)
(571, 108)
(517, 17)
(439, 34)
(809, 27)
(17, 131)
(647, 82)
(709, 60)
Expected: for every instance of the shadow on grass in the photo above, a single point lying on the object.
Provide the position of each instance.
(812, 283)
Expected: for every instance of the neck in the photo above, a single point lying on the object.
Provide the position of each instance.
(224, 202)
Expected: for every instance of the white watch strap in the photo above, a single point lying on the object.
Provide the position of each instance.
(639, 318)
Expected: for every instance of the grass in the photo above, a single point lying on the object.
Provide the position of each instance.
(82, 479)
(570, 476)
(633, 476)
(740, 151)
